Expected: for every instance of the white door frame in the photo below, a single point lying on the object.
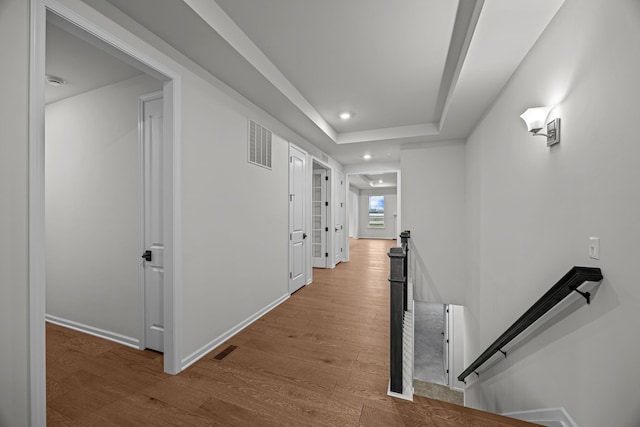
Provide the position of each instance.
(172, 92)
(399, 200)
(353, 210)
(339, 197)
(329, 212)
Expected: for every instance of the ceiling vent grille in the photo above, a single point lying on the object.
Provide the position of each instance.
(259, 145)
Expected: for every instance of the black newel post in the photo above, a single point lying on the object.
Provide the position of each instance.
(398, 285)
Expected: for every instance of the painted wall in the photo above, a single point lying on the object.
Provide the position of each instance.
(390, 210)
(234, 214)
(531, 210)
(433, 206)
(235, 248)
(93, 206)
(14, 145)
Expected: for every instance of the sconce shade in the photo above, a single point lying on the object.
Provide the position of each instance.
(535, 118)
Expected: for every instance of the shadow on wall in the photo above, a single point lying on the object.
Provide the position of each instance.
(423, 285)
(579, 315)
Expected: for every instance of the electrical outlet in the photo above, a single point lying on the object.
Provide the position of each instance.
(594, 247)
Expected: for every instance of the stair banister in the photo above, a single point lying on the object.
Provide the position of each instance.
(563, 288)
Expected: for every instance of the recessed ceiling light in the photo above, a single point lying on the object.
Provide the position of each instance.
(366, 156)
(345, 115)
(379, 181)
(55, 81)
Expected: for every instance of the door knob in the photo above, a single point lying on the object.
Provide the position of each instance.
(147, 255)
(304, 235)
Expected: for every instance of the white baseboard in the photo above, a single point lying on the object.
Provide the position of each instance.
(554, 417)
(406, 395)
(202, 351)
(96, 332)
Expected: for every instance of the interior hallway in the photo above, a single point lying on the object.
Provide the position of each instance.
(320, 358)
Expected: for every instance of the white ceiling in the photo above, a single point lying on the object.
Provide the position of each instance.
(83, 66)
(353, 55)
(411, 71)
(371, 181)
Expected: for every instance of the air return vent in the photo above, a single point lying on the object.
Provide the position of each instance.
(259, 145)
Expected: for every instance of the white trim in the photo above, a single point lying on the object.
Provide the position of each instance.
(204, 350)
(172, 189)
(37, 261)
(173, 245)
(548, 417)
(96, 332)
(220, 22)
(410, 131)
(403, 396)
(451, 378)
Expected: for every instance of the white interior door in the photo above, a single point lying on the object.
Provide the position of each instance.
(297, 233)
(339, 220)
(319, 219)
(153, 256)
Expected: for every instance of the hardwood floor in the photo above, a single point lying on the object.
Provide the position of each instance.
(320, 358)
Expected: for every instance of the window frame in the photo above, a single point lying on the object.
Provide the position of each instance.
(378, 214)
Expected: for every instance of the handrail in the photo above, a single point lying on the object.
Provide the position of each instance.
(565, 286)
(398, 305)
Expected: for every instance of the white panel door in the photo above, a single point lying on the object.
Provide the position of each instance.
(339, 220)
(297, 230)
(153, 256)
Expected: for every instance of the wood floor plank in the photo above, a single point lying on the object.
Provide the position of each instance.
(140, 410)
(319, 359)
(374, 417)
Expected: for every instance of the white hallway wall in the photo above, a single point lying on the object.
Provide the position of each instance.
(14, 213)
(390, 209)
(92, 206)
(218, 290)
(234, 215)
(531, 210)
(433, 206)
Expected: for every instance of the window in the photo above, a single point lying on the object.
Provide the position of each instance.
(376, 211)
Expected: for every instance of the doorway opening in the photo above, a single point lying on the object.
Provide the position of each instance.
(92, 193)
(438, 341)
(431, 335)
(321, 215)
(373, 205)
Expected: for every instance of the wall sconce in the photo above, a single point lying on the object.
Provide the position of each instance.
(535, 119)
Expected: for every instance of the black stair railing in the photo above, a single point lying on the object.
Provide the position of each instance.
(565, 286)
(398, 259)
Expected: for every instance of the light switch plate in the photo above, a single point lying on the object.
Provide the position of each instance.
(594, 247)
